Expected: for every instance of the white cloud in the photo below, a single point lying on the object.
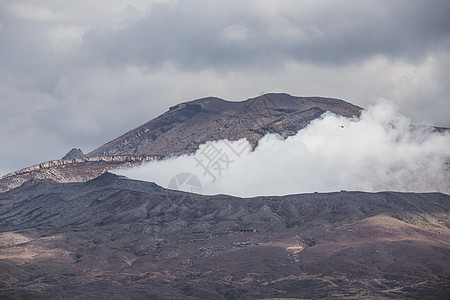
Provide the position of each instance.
(379, 151)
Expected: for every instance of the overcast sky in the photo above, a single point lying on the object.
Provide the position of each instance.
(80, 73)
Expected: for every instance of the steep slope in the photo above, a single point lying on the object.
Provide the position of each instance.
(187, 125)
(117, 238)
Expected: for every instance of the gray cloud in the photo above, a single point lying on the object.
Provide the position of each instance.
(195, 35)
(78, 73)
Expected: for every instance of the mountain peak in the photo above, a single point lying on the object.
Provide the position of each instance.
(183, 128)
(74, 153)
(189, 124)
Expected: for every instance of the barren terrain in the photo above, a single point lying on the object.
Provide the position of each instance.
(115, 238)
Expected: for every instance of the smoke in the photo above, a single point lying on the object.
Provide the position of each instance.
(381, 150)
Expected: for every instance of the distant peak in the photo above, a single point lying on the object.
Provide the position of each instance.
(74, 153)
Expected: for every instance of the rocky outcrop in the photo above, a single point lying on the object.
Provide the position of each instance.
(73, 154)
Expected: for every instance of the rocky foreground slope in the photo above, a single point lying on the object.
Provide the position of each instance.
(115, 238)
(182, 129)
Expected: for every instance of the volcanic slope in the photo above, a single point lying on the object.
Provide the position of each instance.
(182, 129)
(117, 238)
(187, 125)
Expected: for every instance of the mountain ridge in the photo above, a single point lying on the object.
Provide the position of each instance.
(120, 238)
(212, 118)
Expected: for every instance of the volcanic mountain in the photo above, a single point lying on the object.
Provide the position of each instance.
(116, 238)
(182, 129)
(187, 125)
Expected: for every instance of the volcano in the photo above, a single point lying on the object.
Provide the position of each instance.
(182, 129)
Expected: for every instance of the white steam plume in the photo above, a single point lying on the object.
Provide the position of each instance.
(378, 151)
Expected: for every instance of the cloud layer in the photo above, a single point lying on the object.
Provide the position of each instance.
(379, 151)
(80, 73)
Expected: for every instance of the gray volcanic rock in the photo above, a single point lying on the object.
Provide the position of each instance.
(74, 153)
(116, 238)
(187, 125)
